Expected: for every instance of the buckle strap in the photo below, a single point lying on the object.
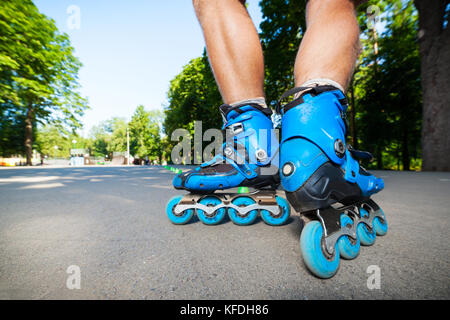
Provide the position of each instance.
(314, 91)
(358, 154)
(289, 93)
(235, 128)
(225, 109)
(234, 158)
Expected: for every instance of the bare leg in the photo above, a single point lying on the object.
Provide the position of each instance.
(233, 47)
(330, 46)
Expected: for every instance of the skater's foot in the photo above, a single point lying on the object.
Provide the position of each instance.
(317, 167)
(245, 158)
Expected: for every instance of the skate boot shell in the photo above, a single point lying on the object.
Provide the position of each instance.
(324, 181)
(249, 159)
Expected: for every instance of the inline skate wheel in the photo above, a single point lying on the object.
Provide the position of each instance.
(348, 247)
(184, 217)
(245, 219)
(379, 226)
(318, 261)
(216, 216)
(366, 237)
(280, 219)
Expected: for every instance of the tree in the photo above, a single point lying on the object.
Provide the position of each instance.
(12, 131)
(54, 141)
(100, 136)
(50, 142)
(118, 135)
(145, 128)
(145, 136)
(434, 44)
(388, 88)
(38, 72)
(193, 96)
(157, 148)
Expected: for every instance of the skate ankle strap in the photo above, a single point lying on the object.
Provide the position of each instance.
(314, 91)
(225, 109)
(358, 154)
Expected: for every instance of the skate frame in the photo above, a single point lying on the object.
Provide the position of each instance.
(264, 200)
(330, 218)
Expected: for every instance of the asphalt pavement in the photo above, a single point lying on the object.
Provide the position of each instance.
(102, 233)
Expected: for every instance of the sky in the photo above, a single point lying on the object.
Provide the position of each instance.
(130, 50)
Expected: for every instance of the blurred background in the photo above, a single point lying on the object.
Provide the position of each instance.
(100, 82)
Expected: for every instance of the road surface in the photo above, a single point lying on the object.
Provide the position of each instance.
(104, 230)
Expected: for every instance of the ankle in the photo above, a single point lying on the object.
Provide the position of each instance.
(318, 82)
(258, 100)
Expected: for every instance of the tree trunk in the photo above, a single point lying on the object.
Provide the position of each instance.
(379, 158)
(29, 135)
(434, 46)
(405, 149)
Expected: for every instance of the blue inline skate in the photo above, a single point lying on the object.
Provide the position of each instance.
(323, 180)
(249, 159)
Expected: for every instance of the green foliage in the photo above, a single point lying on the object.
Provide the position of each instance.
(38, 73)
(144, 131)
(54, 141)
(109, 136)
(117, 141)
(388, 90)
(145, 136)
(193, 95)
(12, 131)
